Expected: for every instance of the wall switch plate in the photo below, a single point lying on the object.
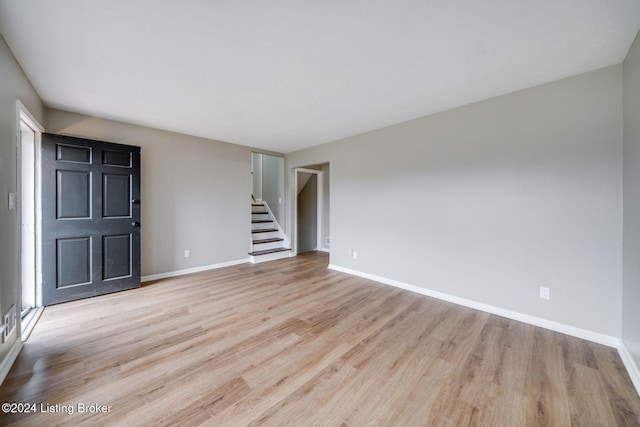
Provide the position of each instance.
(12, 201)
(187, 253)
(354, 254)
(544, 293)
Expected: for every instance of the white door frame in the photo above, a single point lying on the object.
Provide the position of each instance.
(23, 116)
(319, 180)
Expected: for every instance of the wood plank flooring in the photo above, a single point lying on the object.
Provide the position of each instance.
(291, 343)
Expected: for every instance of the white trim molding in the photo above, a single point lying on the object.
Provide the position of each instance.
(9, 359)
(23, 114)
(532, 320)
(193, 270)
(629, 363)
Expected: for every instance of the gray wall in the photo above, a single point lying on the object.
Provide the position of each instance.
(195, 192)
(307, 212)
(631, 274)
(273, 185)
(14, 85)
(493, 200)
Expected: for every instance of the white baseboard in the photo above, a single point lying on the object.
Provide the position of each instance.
(324, 250)
(629, 363)
(532, 320)
(11, 357)
(193, 270)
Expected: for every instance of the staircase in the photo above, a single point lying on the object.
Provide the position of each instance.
(267, 238)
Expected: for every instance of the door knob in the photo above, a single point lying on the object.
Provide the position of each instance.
(135, 224)
(135, 201)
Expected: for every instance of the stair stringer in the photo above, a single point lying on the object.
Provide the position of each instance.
(281, 232)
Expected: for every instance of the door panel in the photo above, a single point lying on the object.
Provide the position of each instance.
(73, 262)
(73, 194)
(116, 158)
(90, 218)
(71, 153)
(117, 256)
(116, 195)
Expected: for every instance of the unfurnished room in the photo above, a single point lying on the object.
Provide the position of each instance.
(316, 213)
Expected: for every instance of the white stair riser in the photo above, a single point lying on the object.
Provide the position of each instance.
(267, 235)
(260, 216)
(272, 256)
(261, 225)
(265, 246)
(258, 209)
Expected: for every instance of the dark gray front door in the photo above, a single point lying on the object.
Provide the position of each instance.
(90, 218)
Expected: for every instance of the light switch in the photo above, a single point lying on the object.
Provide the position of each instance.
(12, 201)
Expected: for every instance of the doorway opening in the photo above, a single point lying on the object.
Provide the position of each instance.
(308, 208)
(29, 137)
(267, 172)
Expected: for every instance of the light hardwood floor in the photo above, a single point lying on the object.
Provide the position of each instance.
(290, 342)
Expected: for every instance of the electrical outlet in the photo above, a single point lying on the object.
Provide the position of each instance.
(10, 320)
(545, 293)
(187, 253)
(327, 241)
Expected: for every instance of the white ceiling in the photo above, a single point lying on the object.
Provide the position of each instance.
(288, 74)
